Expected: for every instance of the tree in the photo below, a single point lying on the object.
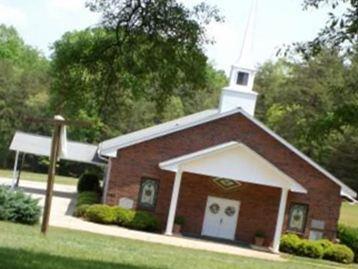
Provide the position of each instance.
(24, 84)
(340, 31)
(99, 86)
(300, 101)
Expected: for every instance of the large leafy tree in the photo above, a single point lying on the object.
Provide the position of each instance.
(300, 101)
(24, 84)
(143, 65)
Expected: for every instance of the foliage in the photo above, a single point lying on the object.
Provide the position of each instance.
(339, 253)
(80, 211)
(88, 182)
(16, 206)
(100, 214)
(144, 221)
(87, 198)
(349, 237)
(310, 249)
(124, 217)
(340, 31)
(289, 243)
(138, 220)
(303, 101)
(24, 84)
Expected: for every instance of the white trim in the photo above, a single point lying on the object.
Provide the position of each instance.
(180, 162)
(173, 203)
(280, 220)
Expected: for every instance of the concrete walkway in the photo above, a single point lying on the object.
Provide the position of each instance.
(61, 216)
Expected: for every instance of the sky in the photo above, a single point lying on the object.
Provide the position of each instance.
(278, 22)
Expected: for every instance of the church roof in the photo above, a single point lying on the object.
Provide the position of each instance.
(109, 148)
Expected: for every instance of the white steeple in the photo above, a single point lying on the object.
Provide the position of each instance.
(239, 93)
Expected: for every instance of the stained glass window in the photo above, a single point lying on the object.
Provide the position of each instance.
(148, 193)
(297, 217)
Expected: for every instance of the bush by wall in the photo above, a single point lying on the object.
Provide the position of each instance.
(293, 244)
(100, 214)
(339, 253)
(311, 249)
(80, 211)
(349, 237)
(138, 220)
(88, 182)
(16, 206)
(87, 198)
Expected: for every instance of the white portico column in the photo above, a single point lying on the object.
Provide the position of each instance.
(173, 202)
(280, 219)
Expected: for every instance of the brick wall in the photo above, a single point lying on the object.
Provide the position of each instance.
(259, 204)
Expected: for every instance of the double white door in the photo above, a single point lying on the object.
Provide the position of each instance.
(221, 218)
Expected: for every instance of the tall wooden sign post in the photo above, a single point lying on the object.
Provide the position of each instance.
(59, 123)
(55, 149)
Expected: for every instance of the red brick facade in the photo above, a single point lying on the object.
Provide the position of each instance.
(259, 204)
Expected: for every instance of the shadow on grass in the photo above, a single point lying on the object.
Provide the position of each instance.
(19, 258)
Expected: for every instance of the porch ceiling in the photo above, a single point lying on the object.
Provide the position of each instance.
(234, 161)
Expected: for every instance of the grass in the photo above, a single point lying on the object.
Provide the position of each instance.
(349, 215)
(39, 177)
(24, 247)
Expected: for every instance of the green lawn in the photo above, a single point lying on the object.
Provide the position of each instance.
(349, 215)
(39, 177)
(24, 247)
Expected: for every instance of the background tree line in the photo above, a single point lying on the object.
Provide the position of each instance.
(145, 64)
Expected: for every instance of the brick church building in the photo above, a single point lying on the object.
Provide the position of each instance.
(226, 173)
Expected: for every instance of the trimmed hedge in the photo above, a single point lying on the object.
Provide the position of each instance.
(349, 237)
(311, 249)
(138, 220)
(80, 211)
(291, 243)
(339, 253)
(88, 182)
(16, 206)
(100, 214)
(87, 198)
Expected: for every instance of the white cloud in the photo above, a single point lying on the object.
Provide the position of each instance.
(12, 16)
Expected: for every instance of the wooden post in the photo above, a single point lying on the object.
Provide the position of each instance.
(20, 169)
(51, 176)
(13, 184)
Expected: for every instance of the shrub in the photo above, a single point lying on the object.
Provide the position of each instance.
(81, 210)
(312, 249)
(339, 253)
(87, 198)
(101, 214)
(88, 182)
(138, 220)
(349, 237)
(326, 244)
(289, 243)
(124, 217)
(144, 221)
(16, 206)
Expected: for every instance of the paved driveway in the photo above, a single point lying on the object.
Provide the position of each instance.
(61, 216)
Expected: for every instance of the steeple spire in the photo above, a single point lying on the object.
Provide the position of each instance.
(245, 57)
(239, 93)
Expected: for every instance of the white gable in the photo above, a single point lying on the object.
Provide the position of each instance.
(233, 161)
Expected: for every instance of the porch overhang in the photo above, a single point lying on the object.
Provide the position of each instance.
(235, 161)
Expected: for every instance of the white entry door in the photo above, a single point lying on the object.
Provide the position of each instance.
(221, 218)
